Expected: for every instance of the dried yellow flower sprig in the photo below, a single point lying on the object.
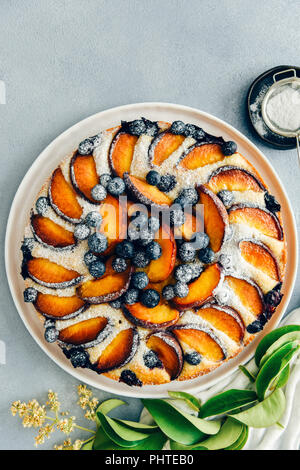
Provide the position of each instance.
(33, 414)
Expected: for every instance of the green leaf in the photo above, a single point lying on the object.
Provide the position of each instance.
(178, 425)
(282, 379)
(266, 413)
(108, 405)
(274, 366)
(247, 373)
(241, 441)
(228, 434)
(192, 401)
(154, 442)
(120, 435)
(177, 446)
(147, 428)
(227, 401)
(270, 338)
(88, 445)
(292, 336)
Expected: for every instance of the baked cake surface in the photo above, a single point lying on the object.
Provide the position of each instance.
(154, 252)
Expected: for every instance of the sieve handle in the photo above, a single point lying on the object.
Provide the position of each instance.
(284, 71)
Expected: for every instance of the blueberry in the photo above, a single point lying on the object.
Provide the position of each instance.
(98, 192)
(93, 219)
(49, 323)
(86, 147)
(27, 245)
(125, 249)
(199, 134)
(183, 273)
(200, 240)
(116, 186)
(177, 127)
(226, 197)
(193, 358)
(153, 223)
(129, 378)
(187, 196)
(104, 179)
(97, 268)
(140, 220)
(150, 298)
(256, 326)
(153, 178)
(186, 252)
(151, 360)
(206, 255)
(79, 357)
(42, 205)
(140, 259)
(131, 296)
(96, 139)
(167, 183)
(271, 203)
(146, 237)
(117, 303)
(139, 280)
(177, 217)
(168, 292)
(97, 242)
(89, 258)
(81, 231)
(137, 127)
(153, 250)
(133, 232)
(51, 334)
(151, 127)
(229, 148)
(119, 265)
(273, 298)
(30, 294)
(189, 130)
(181, 289)
(197, 269)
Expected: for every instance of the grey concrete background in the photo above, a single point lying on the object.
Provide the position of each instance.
(64, 60)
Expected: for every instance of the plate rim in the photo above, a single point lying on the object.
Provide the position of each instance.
(110, 385)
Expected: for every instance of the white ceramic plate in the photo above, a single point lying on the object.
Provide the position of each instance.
(47, 162)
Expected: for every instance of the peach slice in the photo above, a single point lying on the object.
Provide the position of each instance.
(63, 198)
(215, 217)
(163, 146)
(259, 255)
(225, 319)
(50, 233)
(109, 287)
(248, 293)
(53, 306)
(199, 155)
(121, 152)
(119, 352)
(202, 340)
(161, 268)
(161, 316)
(260, 219)
(114, 221)
(168, 351)
(52, 275)
(83, 175)
(145, 193)
(234, 179)
(87, 333)
(201, 290)
(189, 228)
